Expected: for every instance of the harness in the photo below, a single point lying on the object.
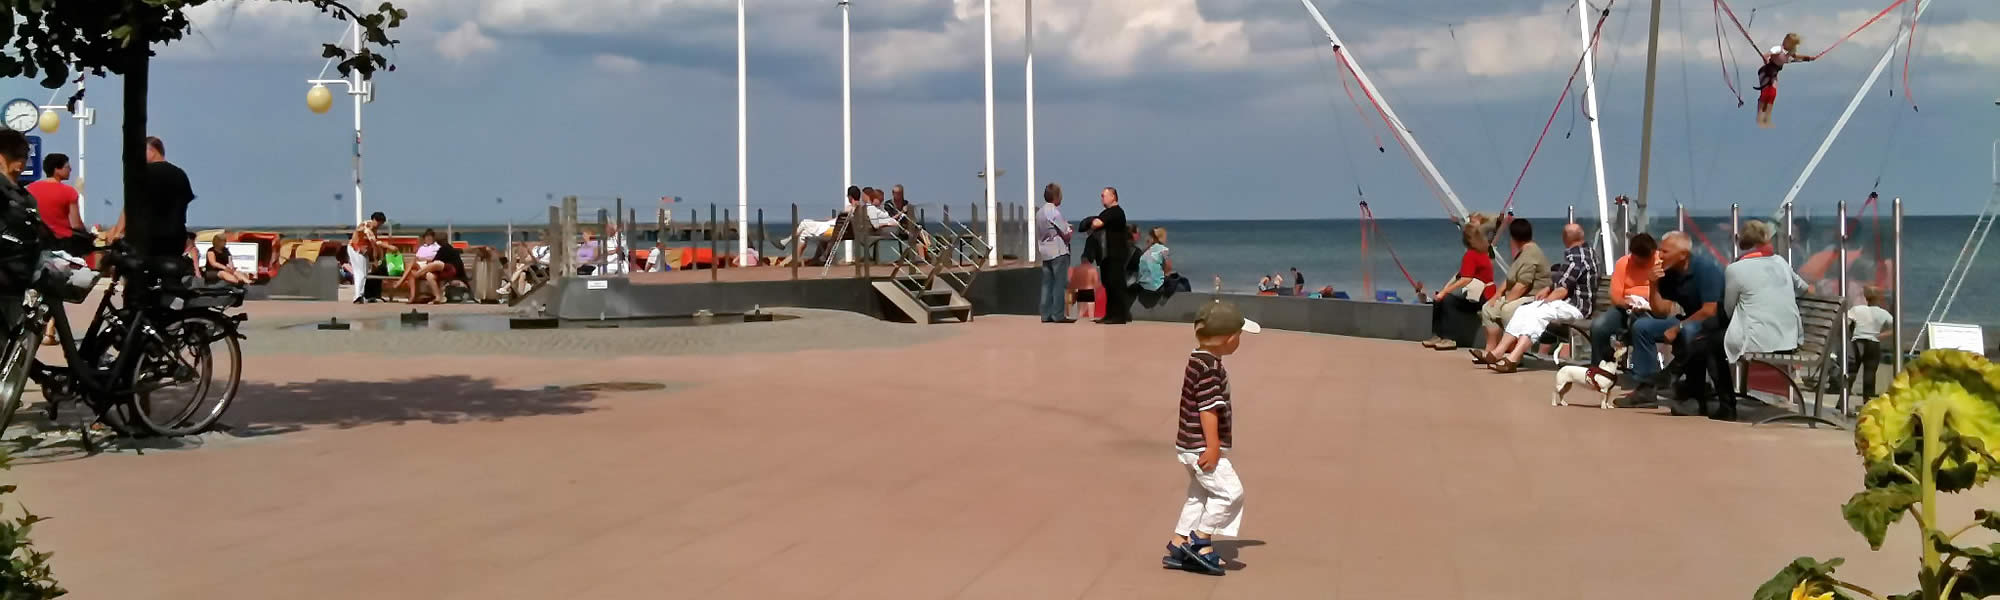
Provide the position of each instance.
(1594, 372)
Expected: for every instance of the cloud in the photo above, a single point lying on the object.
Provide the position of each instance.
(465, 42)
(617, 63)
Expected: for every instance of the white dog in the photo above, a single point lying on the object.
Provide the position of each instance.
(1602, 378)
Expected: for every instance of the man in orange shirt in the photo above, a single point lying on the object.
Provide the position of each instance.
(1629, 290)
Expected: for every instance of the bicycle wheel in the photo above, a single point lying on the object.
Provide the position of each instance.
(188, 376)
(15, 361)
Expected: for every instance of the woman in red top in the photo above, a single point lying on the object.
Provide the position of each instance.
(1454, 316)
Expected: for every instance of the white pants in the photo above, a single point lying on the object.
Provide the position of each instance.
(1533, 318)
(1214, 498)
(358, 263)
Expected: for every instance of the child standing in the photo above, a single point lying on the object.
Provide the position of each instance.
(1214, 495)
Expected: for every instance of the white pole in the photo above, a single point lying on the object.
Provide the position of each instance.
(356, 90)
(742, 146)
(84, 117)
(1596, 141)
(992, 200)
(1902, 35)
(846, 121)
(1398, 128)
(1034, 203)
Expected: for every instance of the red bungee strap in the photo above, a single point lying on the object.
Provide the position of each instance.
(1509, 205)
(1367, 223)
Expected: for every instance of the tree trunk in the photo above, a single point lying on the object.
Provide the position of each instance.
(134, 134)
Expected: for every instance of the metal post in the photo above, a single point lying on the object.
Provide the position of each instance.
(846, 125)
(713, 261)
(742, 140)
(624, 244)
(798, 242)
(1791, 235)
(1897, 268)
(1572, 214)
(725, 223)
(1842, 317)
(358, 89)
(992, 176)
(762, 235)
(1646, 121)
(1902, 35)
(1681, 219)
(603, 241)
(556, 262)
(1596, 140)
(1033, 199)
(1735, 231)
(1389, 114)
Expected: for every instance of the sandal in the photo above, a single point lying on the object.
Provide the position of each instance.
(1176, 558)
(1201, 562)
(1505, 366)
(1480, 357)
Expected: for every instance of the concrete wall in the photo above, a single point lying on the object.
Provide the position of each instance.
(1339, 317)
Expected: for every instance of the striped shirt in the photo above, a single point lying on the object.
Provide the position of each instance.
(1205, 388)
(1578, 274)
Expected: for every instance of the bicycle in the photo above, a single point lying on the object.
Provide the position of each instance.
(162, 341)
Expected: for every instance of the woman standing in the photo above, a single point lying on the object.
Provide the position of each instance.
(1117, 255)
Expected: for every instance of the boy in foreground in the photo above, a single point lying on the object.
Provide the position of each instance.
(1214, 495)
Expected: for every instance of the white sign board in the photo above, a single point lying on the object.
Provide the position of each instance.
(1956, 337)
(243, 256)
(596, 284)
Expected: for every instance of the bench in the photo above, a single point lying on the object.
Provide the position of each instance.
(1812, 362)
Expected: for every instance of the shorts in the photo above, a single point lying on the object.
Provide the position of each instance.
(448, 273)
(1769, 95)
(1084, 295)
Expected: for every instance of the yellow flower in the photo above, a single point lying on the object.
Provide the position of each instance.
(1806, 589)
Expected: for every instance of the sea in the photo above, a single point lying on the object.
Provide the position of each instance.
(1330, 252)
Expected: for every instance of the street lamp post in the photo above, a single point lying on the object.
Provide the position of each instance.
(319, 99)
(85, 116)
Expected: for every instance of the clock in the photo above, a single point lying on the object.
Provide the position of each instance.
(21, 115)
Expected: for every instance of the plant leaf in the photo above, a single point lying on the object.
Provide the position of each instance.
(1870, 512)
(1802, 570)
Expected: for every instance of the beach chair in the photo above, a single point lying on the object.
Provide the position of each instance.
(1387, 296)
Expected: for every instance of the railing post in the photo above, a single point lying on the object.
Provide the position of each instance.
(603, 242)
(798, 242)
(713, 261)
(1841, 318)
(1735, 231)
(1898, 291)
(761, 234)
(557, 266)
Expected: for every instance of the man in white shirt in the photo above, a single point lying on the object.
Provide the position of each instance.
(1052, 235)
(1867, 326)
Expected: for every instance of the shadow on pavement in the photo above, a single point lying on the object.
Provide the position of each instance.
(267, 409)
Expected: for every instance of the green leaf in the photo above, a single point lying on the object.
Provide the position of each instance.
(1872, 511)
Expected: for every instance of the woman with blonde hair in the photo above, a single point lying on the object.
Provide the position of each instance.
(1455, 307)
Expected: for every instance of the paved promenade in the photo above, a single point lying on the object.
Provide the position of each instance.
(834, 456)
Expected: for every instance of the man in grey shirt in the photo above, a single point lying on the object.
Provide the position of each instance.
(1052, 241)
(1527, 277)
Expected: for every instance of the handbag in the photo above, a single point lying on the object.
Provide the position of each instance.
(393, 261)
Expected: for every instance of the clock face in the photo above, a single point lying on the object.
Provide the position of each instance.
(21, 115)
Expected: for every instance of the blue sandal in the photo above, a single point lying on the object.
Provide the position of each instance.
(1198, 561)
(1176, 558)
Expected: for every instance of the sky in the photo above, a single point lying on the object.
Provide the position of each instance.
(1194, 109)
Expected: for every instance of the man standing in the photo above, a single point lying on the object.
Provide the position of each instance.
(1686, 284)
(1117, 256)
(1527, 276)
(57, 200)
(363, 248)
(1052, 240)
(1298, 282)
